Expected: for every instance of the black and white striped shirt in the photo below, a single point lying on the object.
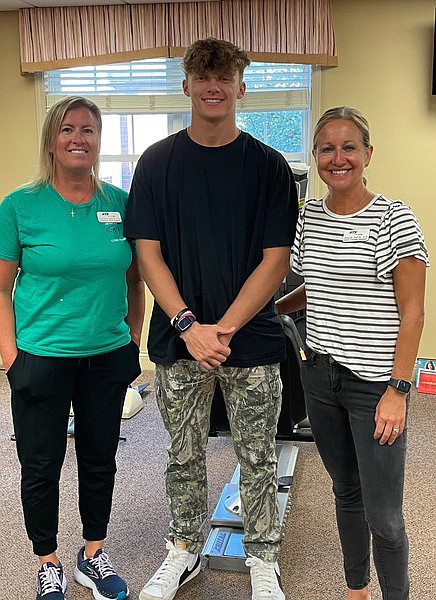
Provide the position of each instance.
(347, 263)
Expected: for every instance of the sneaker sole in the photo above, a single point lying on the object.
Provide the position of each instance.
(87, 582)
(144, 596)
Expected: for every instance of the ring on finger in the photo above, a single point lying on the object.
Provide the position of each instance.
(396, 430)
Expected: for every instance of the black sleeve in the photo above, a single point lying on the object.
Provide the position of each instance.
(282, 212)
(140, 215)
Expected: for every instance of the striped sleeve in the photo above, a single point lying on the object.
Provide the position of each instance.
(297, 248)
(399, 236)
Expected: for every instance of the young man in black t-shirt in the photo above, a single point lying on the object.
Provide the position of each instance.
(213, 211)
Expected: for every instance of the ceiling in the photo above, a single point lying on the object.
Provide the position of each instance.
(16, 4)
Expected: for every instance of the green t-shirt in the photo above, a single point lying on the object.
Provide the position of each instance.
(70, 297)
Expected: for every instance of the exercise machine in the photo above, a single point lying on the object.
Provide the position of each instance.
(133, 403)
(224, 548)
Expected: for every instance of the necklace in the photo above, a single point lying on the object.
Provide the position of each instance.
(80, 201)
(355, 208)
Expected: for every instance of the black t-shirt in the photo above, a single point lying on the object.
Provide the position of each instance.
(214, 210)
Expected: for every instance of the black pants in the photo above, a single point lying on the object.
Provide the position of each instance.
(43, 389)
(368, 479)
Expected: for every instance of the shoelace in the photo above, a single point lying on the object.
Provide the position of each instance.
(170, 567)
(49, 579)
(263, 576)
(103, 565)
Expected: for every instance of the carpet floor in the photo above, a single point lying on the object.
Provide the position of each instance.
(310, 560)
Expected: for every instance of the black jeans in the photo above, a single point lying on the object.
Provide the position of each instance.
(368, 479)
(43, 389)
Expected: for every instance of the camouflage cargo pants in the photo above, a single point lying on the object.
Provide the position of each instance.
(184, 391)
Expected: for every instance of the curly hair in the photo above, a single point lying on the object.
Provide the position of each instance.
(218, 56)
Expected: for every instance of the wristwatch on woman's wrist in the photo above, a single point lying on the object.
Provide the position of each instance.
(401, 385)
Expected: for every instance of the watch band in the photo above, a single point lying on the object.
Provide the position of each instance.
(402, 385)
(185, 321)
(178, 315)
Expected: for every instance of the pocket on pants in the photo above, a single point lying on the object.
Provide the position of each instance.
(135, 346)
(127, 365)
(31, 376)
(136, 364)
(10, 372)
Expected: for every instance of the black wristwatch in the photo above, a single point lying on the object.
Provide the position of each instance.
(184, 322)
(401, 385)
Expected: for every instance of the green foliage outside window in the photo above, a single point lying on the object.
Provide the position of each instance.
(280, 129)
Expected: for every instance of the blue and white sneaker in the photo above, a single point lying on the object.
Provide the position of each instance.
(98, 574)
(51, 582)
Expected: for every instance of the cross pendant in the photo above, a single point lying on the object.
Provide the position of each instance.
(72, 212)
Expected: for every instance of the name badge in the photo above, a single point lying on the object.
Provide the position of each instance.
(109, 217)
(356, 235)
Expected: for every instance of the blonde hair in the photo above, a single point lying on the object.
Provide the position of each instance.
(44, 173)
(347, 113)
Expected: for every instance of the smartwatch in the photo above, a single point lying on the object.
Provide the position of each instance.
(179, 314)
(184, 322)
(401, 385)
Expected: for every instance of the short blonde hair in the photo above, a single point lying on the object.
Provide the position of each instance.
(347, 113)
(44, 173)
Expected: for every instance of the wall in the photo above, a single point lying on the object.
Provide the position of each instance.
(385, 57)
(19, 144)
(385, 65)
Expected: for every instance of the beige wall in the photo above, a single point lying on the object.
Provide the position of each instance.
(18, 142)
(385, 61)
(385, 57)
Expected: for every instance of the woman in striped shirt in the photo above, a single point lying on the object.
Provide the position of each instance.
(363, 259)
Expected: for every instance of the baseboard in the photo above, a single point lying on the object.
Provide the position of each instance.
(146, 364)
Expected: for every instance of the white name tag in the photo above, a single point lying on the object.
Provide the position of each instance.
(109, 217)
(356, 235)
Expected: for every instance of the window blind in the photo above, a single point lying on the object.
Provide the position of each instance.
(154, 85)
(164, 76)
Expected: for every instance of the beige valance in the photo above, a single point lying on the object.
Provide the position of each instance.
(292, 31)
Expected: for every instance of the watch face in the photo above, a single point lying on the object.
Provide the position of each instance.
(404, 386)
(185, 323)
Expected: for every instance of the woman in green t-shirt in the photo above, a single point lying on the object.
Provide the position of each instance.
(69, 334)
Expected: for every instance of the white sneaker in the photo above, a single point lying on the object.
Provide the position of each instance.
(179, 567)
(265, 579)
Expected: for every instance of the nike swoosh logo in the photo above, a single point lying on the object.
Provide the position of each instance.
(188, 571)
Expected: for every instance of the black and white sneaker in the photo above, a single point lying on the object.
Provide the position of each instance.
(265, 579)
(179, 567)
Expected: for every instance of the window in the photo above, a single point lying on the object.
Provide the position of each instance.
(142, 102)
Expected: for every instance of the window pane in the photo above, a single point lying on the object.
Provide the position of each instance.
(148, 129)
(118, 173)
(281, 129)
(110, 135)
(131, 134)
